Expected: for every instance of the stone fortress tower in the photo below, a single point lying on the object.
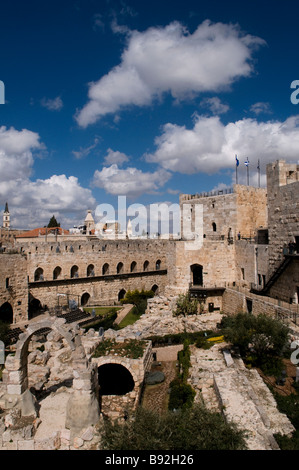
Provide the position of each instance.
(6, 218)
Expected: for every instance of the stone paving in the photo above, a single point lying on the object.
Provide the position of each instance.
(155, 397)
(240, 394)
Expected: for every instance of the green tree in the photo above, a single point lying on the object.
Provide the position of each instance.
(138, 299)
(186, 305)
(195, 428)
(53, 222)
(261, 335)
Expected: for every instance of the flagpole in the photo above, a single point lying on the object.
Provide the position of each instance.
(247, 165)
(259, 173)
(247, 175)
(237, 164)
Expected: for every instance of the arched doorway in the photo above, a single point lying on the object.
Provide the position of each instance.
(85, 299)
(133, 267)
(34, 307)
(146, 265)
(115, 379)
(105, 269)
(197, 274)
(57, 272)
(74, 272)
(6, 313)
(155, 289)
(121, 294)
(90, 270)
(120, 268)
(38, 275)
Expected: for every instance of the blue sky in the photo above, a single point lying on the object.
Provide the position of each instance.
(142, 99)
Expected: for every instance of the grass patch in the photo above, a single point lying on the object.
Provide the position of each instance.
(101, 311)
(129, 319)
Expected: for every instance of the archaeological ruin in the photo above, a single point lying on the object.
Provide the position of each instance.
(238, 252)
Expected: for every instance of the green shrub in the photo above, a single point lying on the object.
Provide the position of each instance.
(186, 305)
(263, 335)
(181, 395)
(138, 299)
(192, 429)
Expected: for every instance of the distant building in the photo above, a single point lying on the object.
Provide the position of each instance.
(6, 218)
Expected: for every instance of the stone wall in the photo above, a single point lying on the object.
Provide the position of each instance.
(13, 284)
(286, 287)
(251, 262)
(225, 215)
(283, 209)
(236, 300)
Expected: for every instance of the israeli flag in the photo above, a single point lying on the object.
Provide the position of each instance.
(237, 161)
(247, 162)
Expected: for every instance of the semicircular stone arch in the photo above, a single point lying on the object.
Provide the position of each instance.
(138, 376)
(17, 365)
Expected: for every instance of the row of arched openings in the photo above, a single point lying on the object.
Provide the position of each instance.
(90, 271)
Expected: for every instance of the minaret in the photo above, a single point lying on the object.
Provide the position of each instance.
(6, 218)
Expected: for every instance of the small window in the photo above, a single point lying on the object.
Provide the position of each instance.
(7, 282)
(214, 226)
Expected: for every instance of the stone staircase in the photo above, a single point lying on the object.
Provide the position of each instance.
(225, 385)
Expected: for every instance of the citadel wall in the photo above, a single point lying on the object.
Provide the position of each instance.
(283, 209)
(13, 282)
(101, 271)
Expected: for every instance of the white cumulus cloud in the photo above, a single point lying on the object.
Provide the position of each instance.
(129, 182)
(32, 203)
(171, 60)
(211, 146)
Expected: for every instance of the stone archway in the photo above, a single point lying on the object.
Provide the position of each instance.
(83, 406)
(115, 379)
(85, 299)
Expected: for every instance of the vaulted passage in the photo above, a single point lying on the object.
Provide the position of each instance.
(115, 379)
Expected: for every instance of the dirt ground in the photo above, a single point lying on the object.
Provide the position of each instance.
(155, 397)
(288, 388)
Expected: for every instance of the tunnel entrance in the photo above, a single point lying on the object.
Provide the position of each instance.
(115, 379)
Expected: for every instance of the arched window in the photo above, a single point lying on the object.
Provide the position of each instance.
(133, 267)
(214, 226)
(90, 270)
(120, 268)
(145, 265)
(105, 269)
(57, 272)
(158, 265)
(74, 272)
(39, 275)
